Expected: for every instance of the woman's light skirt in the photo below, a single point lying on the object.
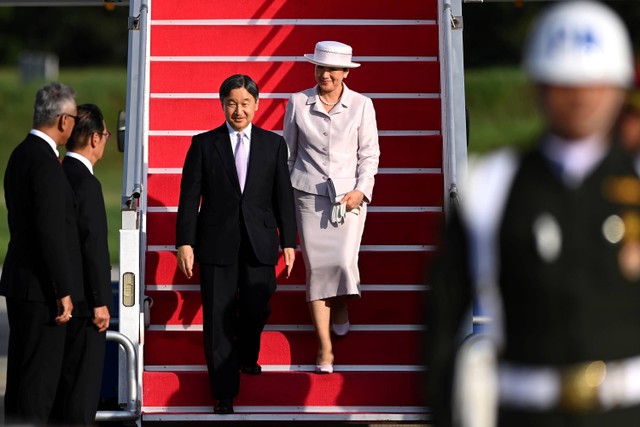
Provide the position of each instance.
(330, 251)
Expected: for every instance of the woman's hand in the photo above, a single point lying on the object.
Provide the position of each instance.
(353, 199)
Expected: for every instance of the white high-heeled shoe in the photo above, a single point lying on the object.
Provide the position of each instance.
(324, 369)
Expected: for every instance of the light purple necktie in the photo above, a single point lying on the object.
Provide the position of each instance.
(241, 160)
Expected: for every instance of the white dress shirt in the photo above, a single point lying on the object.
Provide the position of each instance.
(575, 159)
(82, 159)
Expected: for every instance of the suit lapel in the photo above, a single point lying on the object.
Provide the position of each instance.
(222, 143)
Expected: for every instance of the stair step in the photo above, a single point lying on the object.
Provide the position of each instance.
(391, 189)
(288, 40)
(182, 76)
(315, 414)
(284, 9)
(382, 228)
(190, 114)
(376, 267)
(183, 388)
(169, 151)
(293, 348)
(184, 307)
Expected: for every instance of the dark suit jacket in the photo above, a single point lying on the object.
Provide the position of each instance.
(42, 261)
(92, 230)
(266, 205)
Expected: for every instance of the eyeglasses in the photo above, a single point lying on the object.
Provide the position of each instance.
(70, 115)
(106, 134)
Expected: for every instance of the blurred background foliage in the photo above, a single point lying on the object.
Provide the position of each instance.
(92, 42)
(80, 36)
(105, 87)
(494, 32)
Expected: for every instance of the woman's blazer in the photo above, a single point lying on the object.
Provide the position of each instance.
(341, 144)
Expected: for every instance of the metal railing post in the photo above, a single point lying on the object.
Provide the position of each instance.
(131, 411)
(454, 117)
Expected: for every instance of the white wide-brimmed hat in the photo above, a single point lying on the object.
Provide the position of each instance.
(332, 54)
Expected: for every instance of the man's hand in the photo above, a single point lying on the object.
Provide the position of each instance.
(65, 307)
(101, 318)
(289, 259)
(353, 199)
(185, 260)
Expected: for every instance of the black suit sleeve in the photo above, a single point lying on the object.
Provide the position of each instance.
(51, 205)
(283, 199)
(190, 192)
(92, 227)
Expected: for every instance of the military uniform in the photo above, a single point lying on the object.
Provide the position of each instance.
(568, 277)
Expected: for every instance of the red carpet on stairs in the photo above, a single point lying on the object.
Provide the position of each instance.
(379, 374)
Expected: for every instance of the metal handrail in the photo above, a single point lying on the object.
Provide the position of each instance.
(136, 78)
(142, 68)
(448, 23)
(50, 3)
(131, 411)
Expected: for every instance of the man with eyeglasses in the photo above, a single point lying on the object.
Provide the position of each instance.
(79, 388)
(41, 276)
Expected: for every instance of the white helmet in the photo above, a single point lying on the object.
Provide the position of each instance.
(577, 43)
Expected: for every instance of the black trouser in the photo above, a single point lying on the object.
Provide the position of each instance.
(34, 363)
(235, 307)
(81, 380)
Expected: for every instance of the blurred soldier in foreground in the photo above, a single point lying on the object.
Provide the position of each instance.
(547, 243)
(629, 124)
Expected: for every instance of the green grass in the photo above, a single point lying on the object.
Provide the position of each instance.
(103, 87)
(501, 112)
(502, 109)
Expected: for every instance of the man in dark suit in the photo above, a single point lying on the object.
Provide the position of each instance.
(41, 278)
(240, 172)
(79, 388)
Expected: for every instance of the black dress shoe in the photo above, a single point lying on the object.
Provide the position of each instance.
(223, 406)
(251, 370)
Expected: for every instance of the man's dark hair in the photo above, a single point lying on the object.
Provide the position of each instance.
(90, 120)
(238, 81)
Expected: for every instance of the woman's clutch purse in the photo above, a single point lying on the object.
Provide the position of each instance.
(336, 189)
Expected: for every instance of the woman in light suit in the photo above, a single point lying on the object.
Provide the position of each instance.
(332, 137)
